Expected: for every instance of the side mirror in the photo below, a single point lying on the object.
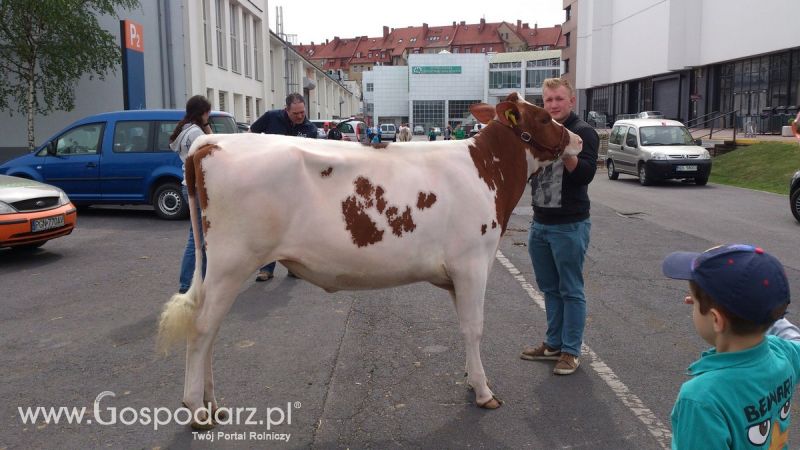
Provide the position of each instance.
(698, 142)
(51, 148)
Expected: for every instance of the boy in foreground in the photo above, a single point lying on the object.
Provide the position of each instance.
(741, 391)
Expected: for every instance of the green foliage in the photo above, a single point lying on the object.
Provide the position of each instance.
(766, 166)
(46, 46)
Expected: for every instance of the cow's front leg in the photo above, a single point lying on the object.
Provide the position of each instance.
(470, 289)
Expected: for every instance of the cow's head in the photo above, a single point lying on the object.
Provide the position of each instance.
(545, 139)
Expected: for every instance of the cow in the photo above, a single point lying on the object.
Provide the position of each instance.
(345, 217)
(404, 134)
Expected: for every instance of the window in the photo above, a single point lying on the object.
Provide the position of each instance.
(568, 12)
(259, 69)
(83, 140)
(466, 50)
(207, 33)
(259, 107)
(163, 132)
(455, 49)
(370, 55)
(130, 136)
(220, 36)
(429, 113)
(506, 65)
(370, 87)
(567, 37)
(630, 139)
(459, 110)
(535, 78)
(234, 39)
(505, 79)
(566, 66)
(247, 108)
(412, 39)
(246, 42)
(222, 95)
(616, 134)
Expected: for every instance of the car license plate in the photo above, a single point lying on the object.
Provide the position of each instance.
(686, 168)
(48, 223)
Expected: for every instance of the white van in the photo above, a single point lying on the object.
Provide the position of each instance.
(388, 132)
(656, 149)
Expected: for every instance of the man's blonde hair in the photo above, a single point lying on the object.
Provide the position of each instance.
(555, 83)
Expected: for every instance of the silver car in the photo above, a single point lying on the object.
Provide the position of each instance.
(656, 149)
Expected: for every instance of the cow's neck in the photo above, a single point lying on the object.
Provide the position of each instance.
(499, 156)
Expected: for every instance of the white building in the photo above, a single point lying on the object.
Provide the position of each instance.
(688, 58)
(222, 49)
(435, 90)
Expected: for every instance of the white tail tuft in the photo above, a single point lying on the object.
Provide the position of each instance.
(177, 320)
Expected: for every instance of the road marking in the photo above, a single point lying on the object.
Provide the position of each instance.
(661, 433)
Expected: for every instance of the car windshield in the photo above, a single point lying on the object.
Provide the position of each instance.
(222, 124)
(665, 135)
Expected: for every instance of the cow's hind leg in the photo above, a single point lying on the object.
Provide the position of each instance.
(221, 290)
(470, 289)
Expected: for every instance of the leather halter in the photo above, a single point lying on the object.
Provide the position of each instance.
(554, 150)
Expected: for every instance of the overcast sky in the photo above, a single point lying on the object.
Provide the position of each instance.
(317, 20)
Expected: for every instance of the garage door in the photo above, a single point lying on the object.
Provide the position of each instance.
(666, 98)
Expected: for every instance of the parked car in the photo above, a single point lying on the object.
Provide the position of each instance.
(388, 132)
(32, 213)
(656, 149)
(476, 129)
(120, 158)
(242, 127)
(353, 130)
(794, 195)
(419, 129)
(320, 124)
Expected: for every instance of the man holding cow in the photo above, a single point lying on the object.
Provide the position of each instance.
(559, 234)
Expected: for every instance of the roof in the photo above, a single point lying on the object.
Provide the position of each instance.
(341, 53)
(649, 122)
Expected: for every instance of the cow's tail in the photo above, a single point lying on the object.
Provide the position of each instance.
(178, 315)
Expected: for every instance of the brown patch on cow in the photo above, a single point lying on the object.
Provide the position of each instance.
(363, 230)
(367, 195)
(494, 224)
(380, 202)
(483, 229)
(401, 223)
(380, 145)
(196, 179)
(425, 200)
(327, 172)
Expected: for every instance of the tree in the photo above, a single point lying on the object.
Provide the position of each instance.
(45, 48)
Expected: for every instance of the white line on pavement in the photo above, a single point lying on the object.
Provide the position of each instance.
(661, 433)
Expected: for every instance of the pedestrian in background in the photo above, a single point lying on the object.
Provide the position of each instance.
(432, 135)
(559, 234)
(447, 133)
(193, 125)
(290, 121)
(458, 133)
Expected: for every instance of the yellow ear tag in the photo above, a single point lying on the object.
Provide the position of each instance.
(511, 118)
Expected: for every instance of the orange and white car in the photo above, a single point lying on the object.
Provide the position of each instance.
(32, 213)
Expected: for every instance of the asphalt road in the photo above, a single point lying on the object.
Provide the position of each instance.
(374, 369)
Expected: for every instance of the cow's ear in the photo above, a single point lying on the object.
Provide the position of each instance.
(483, 113)
(508, 113)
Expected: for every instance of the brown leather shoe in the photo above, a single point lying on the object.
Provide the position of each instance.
(542, 352)
(567, 364)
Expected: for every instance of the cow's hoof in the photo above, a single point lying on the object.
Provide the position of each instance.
(202, 426)
(492, 403)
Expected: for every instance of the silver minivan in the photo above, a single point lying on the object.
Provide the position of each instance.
(388, 132)
(656, 149)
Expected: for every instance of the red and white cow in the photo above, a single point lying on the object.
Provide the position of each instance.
(344, 216)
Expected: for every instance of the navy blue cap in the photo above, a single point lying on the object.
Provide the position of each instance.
(747, 281)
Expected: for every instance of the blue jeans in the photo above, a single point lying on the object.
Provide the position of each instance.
(557, 253)
(269, 267)
(187, 264)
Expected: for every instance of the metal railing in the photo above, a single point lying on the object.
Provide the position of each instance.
(711, 118)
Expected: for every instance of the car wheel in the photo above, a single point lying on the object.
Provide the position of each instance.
(701, 181)
(612, 171)
(168, 202)
(643, 180)
(794, 199)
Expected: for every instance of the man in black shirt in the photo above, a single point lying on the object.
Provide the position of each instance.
(559, 234)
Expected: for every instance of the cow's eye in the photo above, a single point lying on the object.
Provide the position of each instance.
(758, 433)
